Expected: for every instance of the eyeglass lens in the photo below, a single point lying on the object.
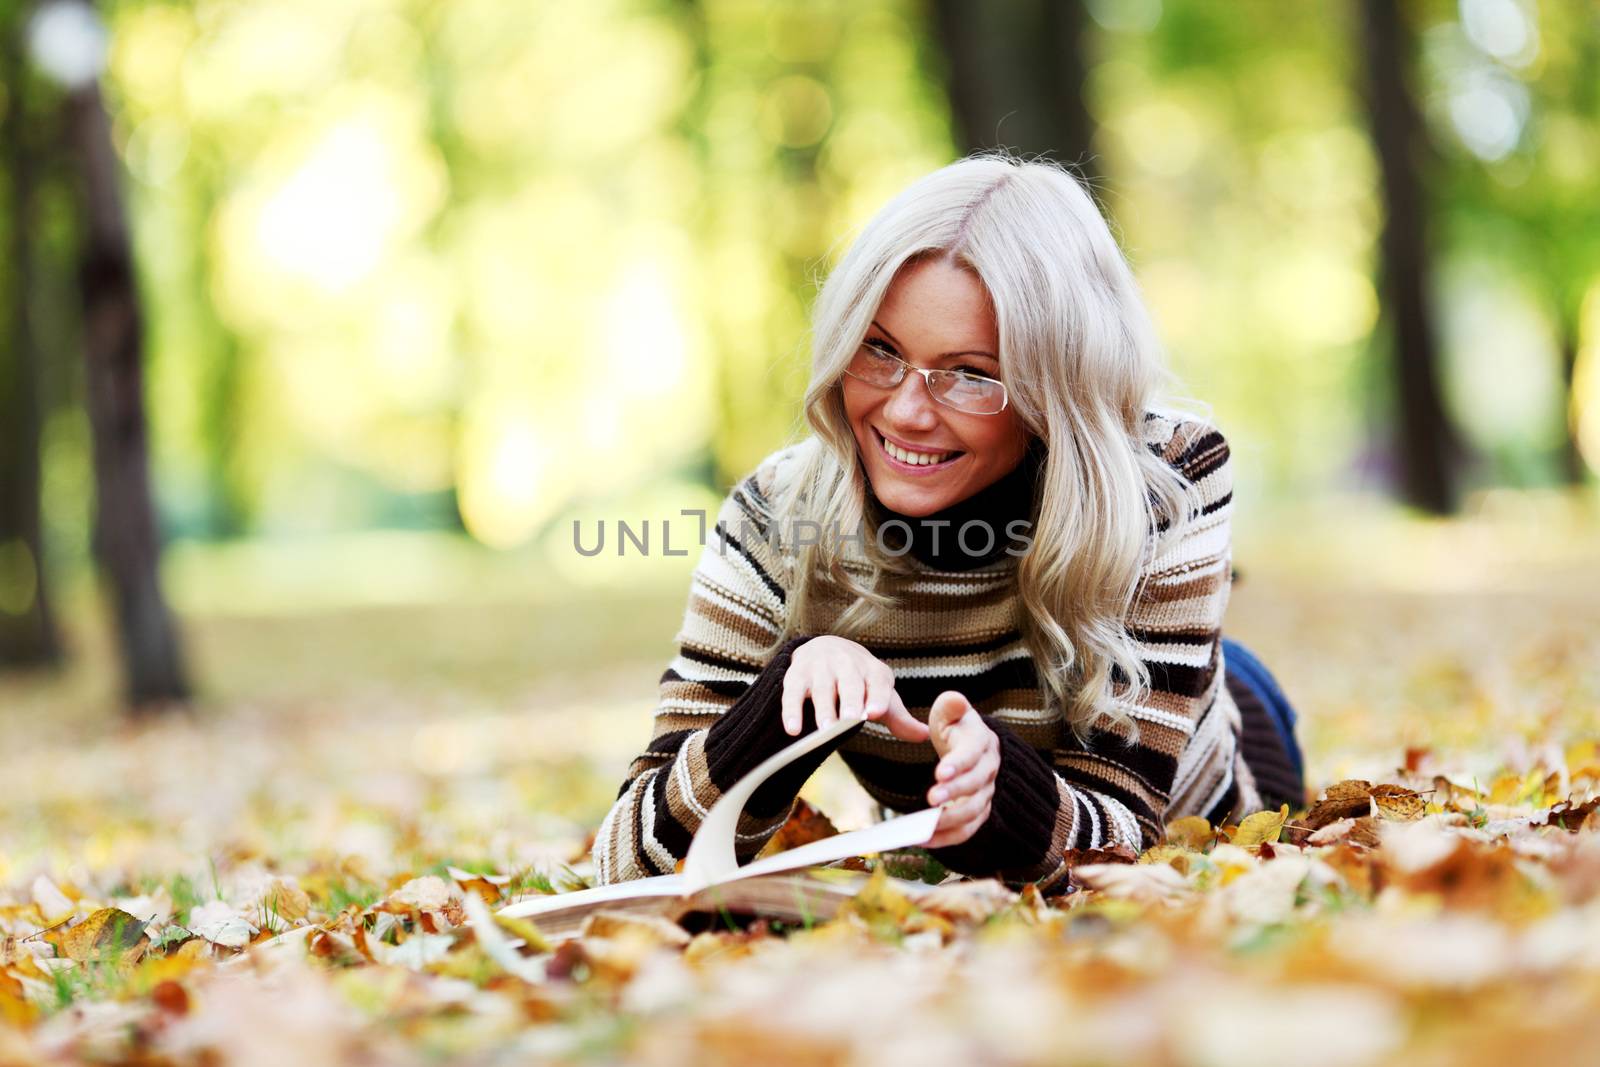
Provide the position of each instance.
(980, 396)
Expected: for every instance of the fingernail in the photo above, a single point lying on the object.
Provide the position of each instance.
(937, 797)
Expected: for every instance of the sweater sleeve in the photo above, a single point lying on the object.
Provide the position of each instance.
(1110, 790)
(719, 711)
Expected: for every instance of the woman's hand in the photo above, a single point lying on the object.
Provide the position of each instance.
(844, 681)
(964, 779)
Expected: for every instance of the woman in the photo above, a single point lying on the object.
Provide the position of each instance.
(995, 551)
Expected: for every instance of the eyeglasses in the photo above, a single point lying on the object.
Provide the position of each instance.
(972, 393)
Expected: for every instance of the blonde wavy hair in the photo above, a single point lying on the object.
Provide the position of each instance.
(1082, 366)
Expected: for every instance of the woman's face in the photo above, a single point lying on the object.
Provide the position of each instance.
(938, 316)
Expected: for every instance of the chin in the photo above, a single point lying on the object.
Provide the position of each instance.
(914, 504)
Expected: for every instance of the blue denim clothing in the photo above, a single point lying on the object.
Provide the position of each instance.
(1242, 666)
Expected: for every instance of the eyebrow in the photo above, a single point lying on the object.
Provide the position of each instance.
(943, 355)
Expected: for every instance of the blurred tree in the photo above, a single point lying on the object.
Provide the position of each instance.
(1429, 449)
(1534, 207)
(1015, 72)
(125, 534)
(27, 627)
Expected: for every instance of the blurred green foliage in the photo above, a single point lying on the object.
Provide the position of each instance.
(488, 266)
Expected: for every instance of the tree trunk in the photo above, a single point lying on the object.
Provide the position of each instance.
(1429, 448)
(1574, 468)
(125, 536)
(27, 627)
(1014, 74)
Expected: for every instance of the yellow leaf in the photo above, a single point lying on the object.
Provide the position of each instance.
(1506, 789)
(1191, 831)
(109, 931)
(1178, 857)
(527, 930)
(1262, 826)
(15, 1007)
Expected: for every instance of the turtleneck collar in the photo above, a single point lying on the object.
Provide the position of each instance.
(934, 538)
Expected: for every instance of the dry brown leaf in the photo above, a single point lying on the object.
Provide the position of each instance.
(1348, 799)
(1079, 857)
(1570, 816)
(1397, 804)
(804, 825)
(1350, 788)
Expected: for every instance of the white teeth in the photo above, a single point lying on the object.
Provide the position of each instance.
(920, 459)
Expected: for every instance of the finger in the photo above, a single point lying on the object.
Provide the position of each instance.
(902, 723)
(968, 807)
(955, 835)
(956, 830)
(794, 695)
(877, 700)
(822, 701)
(852, 691)
(970, 782)
(958, 759)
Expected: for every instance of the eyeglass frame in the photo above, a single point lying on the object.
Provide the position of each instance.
(927, 380)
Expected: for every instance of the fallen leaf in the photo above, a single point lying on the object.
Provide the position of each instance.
(1179, 857)
(804, 825)
(1570, 816)
(107, 933)
(221, 924)
(1262, 826)
(1396, 803)
(617, 924)
(1191, 831)
(1147, 882)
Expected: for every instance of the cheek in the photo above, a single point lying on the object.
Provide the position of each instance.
(856, 400)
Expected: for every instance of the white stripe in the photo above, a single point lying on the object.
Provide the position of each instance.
(1196, 655)
(680, 768)
(695, 671)
(956, 670)
(1094, 823)
(1155, 716)
(657, 851)
(957, 587)
(725, 597)
(1130, 825)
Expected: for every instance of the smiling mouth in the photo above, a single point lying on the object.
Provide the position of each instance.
(907, 458)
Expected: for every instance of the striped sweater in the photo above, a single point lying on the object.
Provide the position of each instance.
(1055, 795)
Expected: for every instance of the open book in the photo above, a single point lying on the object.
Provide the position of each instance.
(712, 880)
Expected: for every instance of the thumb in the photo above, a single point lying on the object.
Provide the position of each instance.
(948, 709)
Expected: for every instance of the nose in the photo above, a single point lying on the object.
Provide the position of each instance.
(911, 406)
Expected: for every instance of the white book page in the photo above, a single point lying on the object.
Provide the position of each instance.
(711, 859)
(668, 885)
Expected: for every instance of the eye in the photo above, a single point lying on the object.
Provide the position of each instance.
(975, 372)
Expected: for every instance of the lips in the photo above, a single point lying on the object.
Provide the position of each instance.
(896, 454)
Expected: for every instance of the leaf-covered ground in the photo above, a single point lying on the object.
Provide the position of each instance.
(282, 876)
